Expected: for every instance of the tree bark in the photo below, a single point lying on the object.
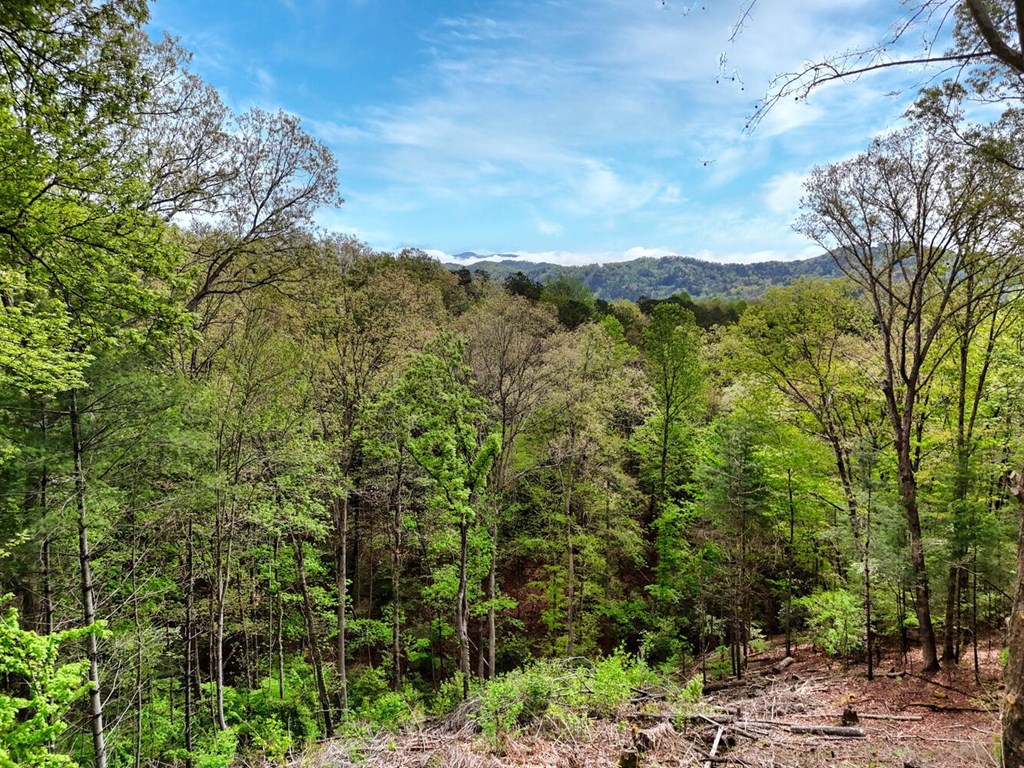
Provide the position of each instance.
(492, 594)
(44, 482)
(462, 609)
(571, 576)
(867, 587)
(314, 644)
(188, 632)
(922, 593)
(1013, 706)
(88, 598)
(223, 571)
(396, 566)
(341, 577)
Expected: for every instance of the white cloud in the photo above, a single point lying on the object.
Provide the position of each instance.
(551, 228)
(782, 193)
(579, 258)
(602, 126)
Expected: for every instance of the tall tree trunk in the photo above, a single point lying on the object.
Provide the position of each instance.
(341, 577)
(462, 610)
(396, 605)
(492, 595)
(1013, 706)
(961, 482)
(44, 482)
(922, 593)
(140, 704)
(314, 644)
(789, 563)
(88, 598)
(188, 630)
(867, 586)
(570, 576)
(224, 536)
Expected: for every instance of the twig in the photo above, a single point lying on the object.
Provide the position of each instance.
(714, 747)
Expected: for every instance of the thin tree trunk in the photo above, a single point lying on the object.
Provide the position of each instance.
(789, 564)
(481, 669)
(308, 614)
(44, 482)
(396, 614)
(1013, 704)
(188, 628)
(244, 621)
(867, 586)
(492, 595)
(960, 487)
(341, 568)
(462, 610)
(571, 576)
(88, 598)
(974, 618)
(140, 705)
(223, 570)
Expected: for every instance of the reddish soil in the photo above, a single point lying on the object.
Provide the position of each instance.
(958, 725)
(947, 720)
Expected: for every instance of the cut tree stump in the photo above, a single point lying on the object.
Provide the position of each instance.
(649, 738)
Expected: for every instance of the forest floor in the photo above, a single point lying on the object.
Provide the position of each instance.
(907, 721)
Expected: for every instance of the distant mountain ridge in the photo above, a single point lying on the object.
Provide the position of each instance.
(664, 276)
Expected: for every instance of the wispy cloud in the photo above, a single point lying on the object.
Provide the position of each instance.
(611, 127)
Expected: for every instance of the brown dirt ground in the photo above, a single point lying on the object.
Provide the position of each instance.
(958, 726)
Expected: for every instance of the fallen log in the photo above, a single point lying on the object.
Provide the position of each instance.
(873, 716)
(783, 664)
(829, 730)
(948, 707)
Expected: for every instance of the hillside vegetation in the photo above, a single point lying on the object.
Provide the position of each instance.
(264, 486)
(662, 277)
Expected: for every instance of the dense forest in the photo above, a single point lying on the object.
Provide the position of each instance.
(263, 484)
(662, 277)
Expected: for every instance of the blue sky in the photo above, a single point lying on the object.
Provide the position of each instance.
(566, 131)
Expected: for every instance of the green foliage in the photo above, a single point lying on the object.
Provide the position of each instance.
(500, 709)
(672, 275)
(449, 695)
(717, 663)
(835, 621)
(388, 710)
(565, 695)
(661, 475)
(693, 691)
(614, 679)
(217, 750)
(37, 693)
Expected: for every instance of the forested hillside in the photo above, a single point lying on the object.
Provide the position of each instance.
(663, 277)
(264, 485)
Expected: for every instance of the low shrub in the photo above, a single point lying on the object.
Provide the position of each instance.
(835, 621)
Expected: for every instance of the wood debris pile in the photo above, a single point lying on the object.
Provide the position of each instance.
(794, 714)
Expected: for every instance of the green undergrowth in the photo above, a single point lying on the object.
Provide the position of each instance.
(568, 695)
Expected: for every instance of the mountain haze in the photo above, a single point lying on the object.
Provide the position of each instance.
(662, 277)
